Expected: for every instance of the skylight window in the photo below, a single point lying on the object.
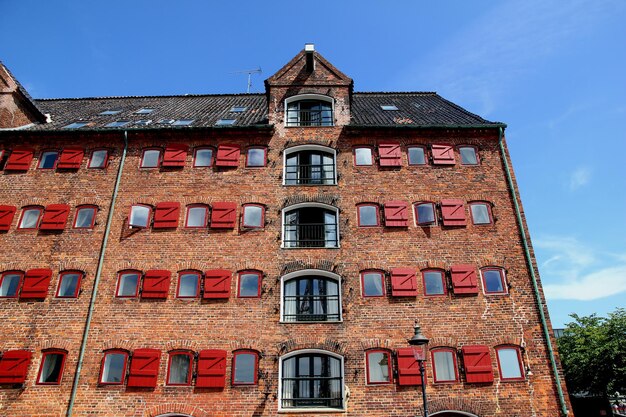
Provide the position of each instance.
(238, 109)
(110, 112)
(143, 122)
(166, 121)
(225, 122)
(144, 111)
(182, 122)
(117, 123)
(388, 107)
(76, 125)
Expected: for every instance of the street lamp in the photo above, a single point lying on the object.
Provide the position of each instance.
(419, 343)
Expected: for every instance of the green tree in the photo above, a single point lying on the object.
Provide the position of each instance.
(593, 354)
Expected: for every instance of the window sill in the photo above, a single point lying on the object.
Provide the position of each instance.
(310, 410)
(312, 322)
(315, 247)
(310, 185)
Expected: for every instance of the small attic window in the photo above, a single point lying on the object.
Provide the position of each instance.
(182, 122)
(76, 125)
(110, 112)
(225, 122)
(117, 123)
(144, 111)
(238, 109)
(142, 122)
(166, 121)
(388, 107)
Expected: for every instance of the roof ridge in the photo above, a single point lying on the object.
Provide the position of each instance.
(464, 110)
(144, 96)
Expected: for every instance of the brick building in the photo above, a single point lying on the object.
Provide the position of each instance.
(265, 254)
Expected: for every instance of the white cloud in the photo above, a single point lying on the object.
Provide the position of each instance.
(601, 283)
(580, 177)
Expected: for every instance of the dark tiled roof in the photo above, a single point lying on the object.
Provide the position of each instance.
(29, 99)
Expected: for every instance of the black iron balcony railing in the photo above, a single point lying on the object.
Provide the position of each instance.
(310, 174)
(311, 235)
(311, 308)
(297, 117)
(311, 392)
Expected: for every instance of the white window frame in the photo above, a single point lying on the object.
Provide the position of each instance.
(302, 97)
(303, 205)
(302, 148)
(309, 272)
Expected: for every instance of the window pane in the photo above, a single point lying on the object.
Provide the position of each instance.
(416, 156)
(188, 285)
(480, 214)
(363, 156)
(256, 157)
(244, 368)
(433, 283)
(468, 156)
(196, 217)
(248, 285)
(150, 158)
(68, 285)
(98, 159)
(372, 284)
(179, 369)
(9, 285)
(48, 160)
(378, 367)
(128, 285)
(113, 367)
(425, 214)
(84, 217)
(203, 158)
(51, 368)
(30, 219)
(139, 216)
(252, 216)
(444, 366)
(367, 216)
(509, 363)
(493, 281)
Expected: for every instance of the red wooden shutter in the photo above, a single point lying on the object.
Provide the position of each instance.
(19, 160)
(144, 368)
(166, 215)
(408, 368)
(156, 284)
(217, 283)
(453, 212)
(403, 282)
(71, 158)
(175, 155)
(14, 366)
(224, 215)
(228, 156)
(464, 279)
(6, 217)
(396, 214)
(36, 283)
(390, 154)
(55, 217)
(211, 369)
(477, 363)
(443, 154)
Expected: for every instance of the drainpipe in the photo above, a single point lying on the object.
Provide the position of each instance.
(533, 277)
(94, 293)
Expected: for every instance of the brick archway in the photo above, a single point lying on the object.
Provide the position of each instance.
(453, 414)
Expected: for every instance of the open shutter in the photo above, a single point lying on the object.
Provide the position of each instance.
(71, 158)
(228, 156)
(443, 154)
(408, 368)
(211, 369)
(19, 160)
(224, 215)
(453, 212)
(389, 154)
(36, 283)
(6, 217)
(217, 283)
(464, 279)
(175, 155)
(55, 217)
(477, 363)
(14, 366)
(166, 215)
(156, 284)
(144, 368)
(403, 282)
(396, 214)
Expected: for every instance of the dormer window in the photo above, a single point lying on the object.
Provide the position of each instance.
(309, 110)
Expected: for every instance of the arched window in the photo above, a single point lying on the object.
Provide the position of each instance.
(311, 379)
(444, 365)
(51, 369)
(434, 282)
(309, 110)
(469, 155)
(310, 225)
(481, 212)
(69, 284)
(378, 366)
(245, 367)
(85, 217)
(179, 367)
(31, 217)
(113, 368)
(311, 295)
(494, 280)
(510, 363)
(10, 282)
(310, 165)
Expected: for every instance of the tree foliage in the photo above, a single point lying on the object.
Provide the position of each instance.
(593, 354)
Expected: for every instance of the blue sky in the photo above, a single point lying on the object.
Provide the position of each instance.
(553, 70)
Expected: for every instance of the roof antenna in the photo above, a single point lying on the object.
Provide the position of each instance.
(249, 72)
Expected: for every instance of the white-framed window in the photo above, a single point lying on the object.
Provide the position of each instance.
(310, 295)
(310, 225)
(310, 165)
(309, 110)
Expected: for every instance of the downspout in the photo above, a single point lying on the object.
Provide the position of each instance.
(533, 277)
(94, 293)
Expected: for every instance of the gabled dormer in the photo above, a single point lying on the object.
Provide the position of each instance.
(17, 108)
(309, 92)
